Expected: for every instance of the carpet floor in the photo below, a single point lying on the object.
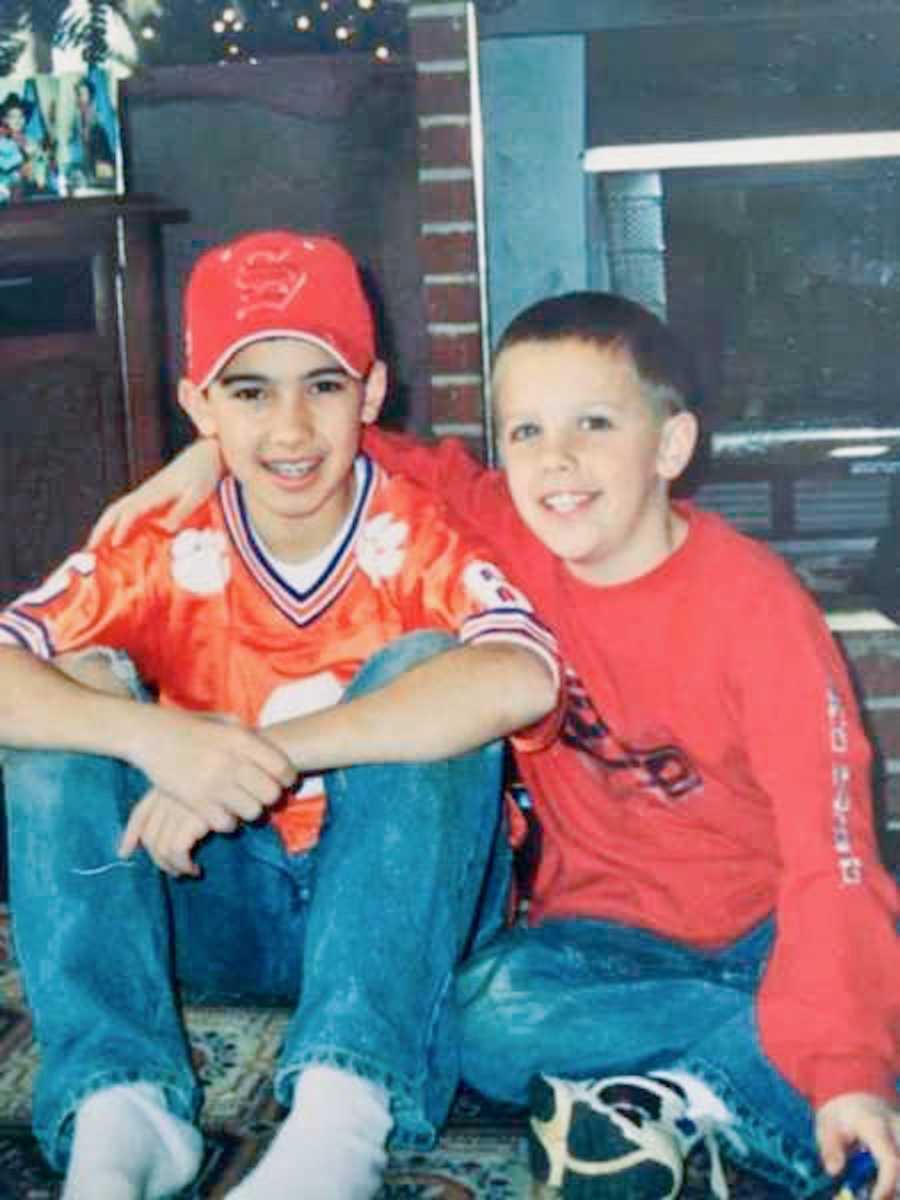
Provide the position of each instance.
(481, 1155)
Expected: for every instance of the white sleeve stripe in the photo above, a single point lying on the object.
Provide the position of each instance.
(517, 627)
(507, 619)
(11, 637)
(521, 639)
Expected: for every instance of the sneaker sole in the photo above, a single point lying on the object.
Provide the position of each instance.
(587, 1156)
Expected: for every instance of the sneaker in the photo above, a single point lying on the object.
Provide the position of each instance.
(621, 1138)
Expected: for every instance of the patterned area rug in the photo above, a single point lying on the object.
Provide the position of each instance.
(480, 1157)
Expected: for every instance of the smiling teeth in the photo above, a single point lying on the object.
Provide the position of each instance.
(291, 470)
(565, 502)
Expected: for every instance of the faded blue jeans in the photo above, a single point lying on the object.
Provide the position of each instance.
(583, 999)
(366, 929)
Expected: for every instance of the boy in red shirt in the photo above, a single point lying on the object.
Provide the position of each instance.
(280, 602)
(710, 948)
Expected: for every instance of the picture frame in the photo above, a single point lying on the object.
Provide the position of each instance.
(59, 136)
(29, 166)
(88, 133)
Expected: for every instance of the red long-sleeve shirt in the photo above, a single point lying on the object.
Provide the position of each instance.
(712, 770)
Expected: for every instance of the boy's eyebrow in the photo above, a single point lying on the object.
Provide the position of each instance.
(337, 369)
(242, 377)
(308, 376)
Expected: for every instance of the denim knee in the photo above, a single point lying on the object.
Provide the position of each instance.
(38, 777)
(398, 657)
(64, 810)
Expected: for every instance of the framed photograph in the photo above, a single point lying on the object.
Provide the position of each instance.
(59, 136)
(87, 130)
(29, 163)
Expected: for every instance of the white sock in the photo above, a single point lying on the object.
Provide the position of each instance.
(128, 1146)
(331, 1144)
(701, 1101)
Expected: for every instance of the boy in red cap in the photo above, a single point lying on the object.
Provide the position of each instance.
(279, 604)
(709, 953)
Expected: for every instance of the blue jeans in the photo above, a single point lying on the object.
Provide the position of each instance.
(582, 998)
(361, 935)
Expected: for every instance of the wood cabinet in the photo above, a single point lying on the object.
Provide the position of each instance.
(81, 345)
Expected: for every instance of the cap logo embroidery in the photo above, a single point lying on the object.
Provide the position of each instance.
(267, 280)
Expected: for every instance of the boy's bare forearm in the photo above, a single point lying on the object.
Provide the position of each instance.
(463, 698)
(41, 706)
(223, 772)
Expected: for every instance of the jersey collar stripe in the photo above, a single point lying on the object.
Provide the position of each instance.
(301, 608)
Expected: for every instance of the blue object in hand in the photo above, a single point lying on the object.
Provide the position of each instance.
(858, 1176)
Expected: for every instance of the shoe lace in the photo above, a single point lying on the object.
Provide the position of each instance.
(718, 1183)
(689, 1131)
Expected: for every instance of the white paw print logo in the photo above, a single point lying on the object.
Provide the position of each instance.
(382, 547)
(200, 561)
(82, 563)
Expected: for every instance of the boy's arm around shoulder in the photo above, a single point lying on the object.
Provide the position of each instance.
(174, 491)
(475, 493)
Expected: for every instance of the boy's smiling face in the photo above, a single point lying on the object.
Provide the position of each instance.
(15, 119)
(288, 418)
(588, 458)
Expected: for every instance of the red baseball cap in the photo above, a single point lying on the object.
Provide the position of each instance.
(275, 284)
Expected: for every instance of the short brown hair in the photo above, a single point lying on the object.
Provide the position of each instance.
(664, 364)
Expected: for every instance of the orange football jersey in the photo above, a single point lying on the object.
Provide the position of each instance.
(212, 625)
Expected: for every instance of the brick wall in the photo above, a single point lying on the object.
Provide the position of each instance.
(448, 235)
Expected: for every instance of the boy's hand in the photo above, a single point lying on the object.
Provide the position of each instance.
(223, 773)
(183, 483)
(168, 832)
(865, 1119)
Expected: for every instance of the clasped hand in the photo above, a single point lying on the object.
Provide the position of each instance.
(167, 830)
(217, 768)
(209, 774)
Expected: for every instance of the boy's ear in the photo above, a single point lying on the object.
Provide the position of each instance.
(197, 406)
(375, 392)
(677, 444)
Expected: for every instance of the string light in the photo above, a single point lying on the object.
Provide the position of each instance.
(240, 29)
(231, 21)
